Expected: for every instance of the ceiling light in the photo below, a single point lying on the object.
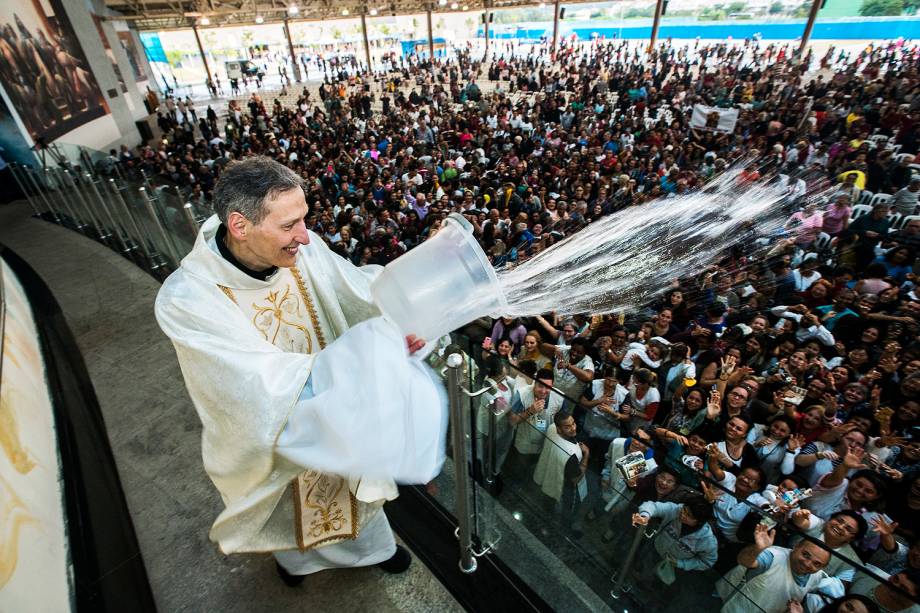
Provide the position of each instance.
(293, 9)
(345, 12)
(453, 6)
(542, 5)
(204, 21)
(259, 19)
(442, 2)
(373, 12)
(466, 8)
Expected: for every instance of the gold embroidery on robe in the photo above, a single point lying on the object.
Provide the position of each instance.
(274, 318)
(325, 510)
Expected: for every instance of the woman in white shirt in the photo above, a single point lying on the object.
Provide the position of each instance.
(643, 401)
(776, 446)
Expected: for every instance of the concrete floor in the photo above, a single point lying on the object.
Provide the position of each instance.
(155, 436)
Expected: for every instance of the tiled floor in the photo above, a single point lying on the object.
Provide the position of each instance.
(155, 436)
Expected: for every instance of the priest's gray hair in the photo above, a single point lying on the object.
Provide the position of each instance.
(248, 185)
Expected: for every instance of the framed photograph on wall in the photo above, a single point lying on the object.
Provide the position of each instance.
(44, 71)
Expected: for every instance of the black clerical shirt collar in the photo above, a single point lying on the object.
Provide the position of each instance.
(261, 275)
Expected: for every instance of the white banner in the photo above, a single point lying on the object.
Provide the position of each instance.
(713, 118)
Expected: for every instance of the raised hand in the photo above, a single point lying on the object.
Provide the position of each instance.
(854, 458)
(538, 405)
(830, 402)
(639, 519)
(794, 606)
(728, 364)
(715, 405)
(802, 519)
(883, 527)
(711, 493)
(763, 537)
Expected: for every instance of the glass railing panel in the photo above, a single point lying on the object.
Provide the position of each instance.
(568, 530)
(179, 223)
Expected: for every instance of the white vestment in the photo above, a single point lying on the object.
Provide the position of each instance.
(299, 375)
(550, 471)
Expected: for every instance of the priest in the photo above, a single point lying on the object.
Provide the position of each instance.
(312, 405)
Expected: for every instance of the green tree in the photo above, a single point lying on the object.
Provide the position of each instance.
(737, 7)
(877, 8)
(636, 13)
(174, 57)
(776, 8)
(247, 43)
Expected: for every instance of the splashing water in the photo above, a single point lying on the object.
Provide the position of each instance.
(623, 261)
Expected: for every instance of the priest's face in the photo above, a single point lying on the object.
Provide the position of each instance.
(275, 240)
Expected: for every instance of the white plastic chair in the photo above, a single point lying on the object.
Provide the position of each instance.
(823, 241)
(880, 198)
(879, 139)
(907, 219)
(858, 211)
(895, 222)
(864, 197)
(903, 156)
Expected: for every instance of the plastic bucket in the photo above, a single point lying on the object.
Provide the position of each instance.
(441, 285)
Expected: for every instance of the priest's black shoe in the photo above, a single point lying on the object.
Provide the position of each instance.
(289, 579)
(399, 563)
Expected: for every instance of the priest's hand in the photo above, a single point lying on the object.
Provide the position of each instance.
(414, 343)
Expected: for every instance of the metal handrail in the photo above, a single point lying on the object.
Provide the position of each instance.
(455, 393)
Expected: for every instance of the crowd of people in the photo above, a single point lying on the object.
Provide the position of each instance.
(765, 408)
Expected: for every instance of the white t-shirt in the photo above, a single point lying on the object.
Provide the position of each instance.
(599, 424)
(729, 511)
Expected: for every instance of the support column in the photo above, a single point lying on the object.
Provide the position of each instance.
(430, 39)
(485, 21)
(367, 45)
(204, 58)
(653, 40)
(809, 25)
(552, 50)
(294, 63)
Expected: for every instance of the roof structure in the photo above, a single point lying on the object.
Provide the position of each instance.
(182, 14)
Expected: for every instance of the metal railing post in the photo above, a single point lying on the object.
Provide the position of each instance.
(461, 474)
(151, 203)
(38, 189)
(117, 230)
(620, 578)
(488, 468)
(15, 169)
(138, 236)
(98, 225)
(68, 206)
(190, 218)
